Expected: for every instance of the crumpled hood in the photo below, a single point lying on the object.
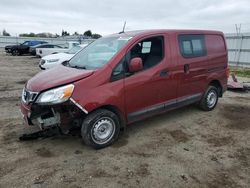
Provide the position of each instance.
(56, 76)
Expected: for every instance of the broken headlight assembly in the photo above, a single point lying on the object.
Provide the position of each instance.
(56, 95)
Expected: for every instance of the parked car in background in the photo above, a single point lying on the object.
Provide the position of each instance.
(139, 74)
(32, 49)
(22, 48)
(52, 60)
(41, 52)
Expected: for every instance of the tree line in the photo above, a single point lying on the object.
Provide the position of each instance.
(87, 34)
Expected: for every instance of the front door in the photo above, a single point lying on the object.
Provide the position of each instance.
(147, 91)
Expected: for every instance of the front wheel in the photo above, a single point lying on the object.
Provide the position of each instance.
(209, 99)
(100, 128)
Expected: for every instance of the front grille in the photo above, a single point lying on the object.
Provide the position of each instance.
(28, 96)
(42, 61)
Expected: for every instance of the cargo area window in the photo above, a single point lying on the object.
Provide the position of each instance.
(192, 46)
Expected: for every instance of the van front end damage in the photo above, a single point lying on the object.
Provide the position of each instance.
(66, 115)
(51, 109)
(45, 117)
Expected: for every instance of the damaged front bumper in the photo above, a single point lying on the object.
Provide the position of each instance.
(65, 115)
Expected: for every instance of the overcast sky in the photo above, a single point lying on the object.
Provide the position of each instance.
(107, 16)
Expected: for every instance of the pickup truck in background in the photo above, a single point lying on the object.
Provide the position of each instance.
(32, 49)
(22, 48)
(41, 52)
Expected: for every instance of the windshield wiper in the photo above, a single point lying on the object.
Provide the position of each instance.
(78, 67)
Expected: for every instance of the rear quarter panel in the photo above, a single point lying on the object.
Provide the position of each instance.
(218, 58)
(206, 68)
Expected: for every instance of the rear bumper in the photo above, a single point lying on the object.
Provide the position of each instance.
(224, 89)
(224, 86)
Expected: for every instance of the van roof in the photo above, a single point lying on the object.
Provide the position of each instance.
(156, 31)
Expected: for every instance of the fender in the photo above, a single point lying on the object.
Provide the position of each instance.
(98, 90)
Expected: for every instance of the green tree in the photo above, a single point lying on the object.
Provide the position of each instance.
(76, 33)
(96, 36)
(65, 33)
(27, 35)
(88, 33)
(5, 33)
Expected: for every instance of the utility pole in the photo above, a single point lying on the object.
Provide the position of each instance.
(238, 44)
(238, 29)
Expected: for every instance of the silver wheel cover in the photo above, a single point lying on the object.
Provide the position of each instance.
(103, 130)
(211, 99)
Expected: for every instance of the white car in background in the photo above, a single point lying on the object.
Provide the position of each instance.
(41, 52)
(52, 60)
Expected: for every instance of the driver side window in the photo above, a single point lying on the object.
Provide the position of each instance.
(150, 50)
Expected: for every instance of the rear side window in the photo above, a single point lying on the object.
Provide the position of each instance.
(192, 46)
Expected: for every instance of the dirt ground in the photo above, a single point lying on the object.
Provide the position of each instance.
(183, 148)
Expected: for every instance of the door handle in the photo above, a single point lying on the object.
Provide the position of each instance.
(164, 73)
(186, 68)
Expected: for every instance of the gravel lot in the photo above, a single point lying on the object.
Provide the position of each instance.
(183, 148)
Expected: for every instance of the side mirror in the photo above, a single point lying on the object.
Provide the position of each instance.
(65, 63)
(135, 65)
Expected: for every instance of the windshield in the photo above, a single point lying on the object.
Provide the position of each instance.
(98, 53)
(74, 49)
(25, 43)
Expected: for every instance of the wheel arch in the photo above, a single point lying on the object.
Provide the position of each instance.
(217, 84)
(115, 110)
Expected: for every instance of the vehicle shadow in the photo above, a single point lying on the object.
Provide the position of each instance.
(166, 117)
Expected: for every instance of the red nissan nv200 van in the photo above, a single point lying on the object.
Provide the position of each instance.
(126, 77)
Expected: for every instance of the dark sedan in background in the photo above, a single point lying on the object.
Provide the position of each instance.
(23, 48)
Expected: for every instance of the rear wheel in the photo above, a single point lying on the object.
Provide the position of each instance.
(209, 99)
(100, 128)
(15, 52)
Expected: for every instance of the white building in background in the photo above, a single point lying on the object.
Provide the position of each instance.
(11, 40)
(238, 49)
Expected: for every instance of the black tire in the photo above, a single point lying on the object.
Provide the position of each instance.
(15, 52)
(99, 122)
(209, 99)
